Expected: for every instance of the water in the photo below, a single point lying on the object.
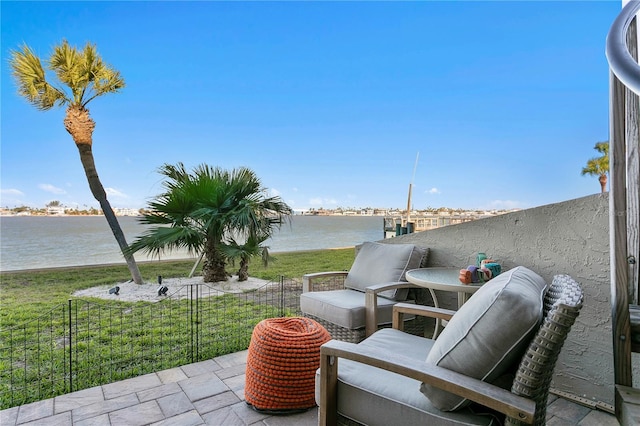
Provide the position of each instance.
(28, 242)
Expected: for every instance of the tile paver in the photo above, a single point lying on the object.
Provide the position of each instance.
(198, 368)
(72, 400)
(190, 418)
(97, 408)
(172, 405)
(209, 392)
(35, 410)
(159, 392)
(598, 418)
(101, 420)
(172, 375)
(567, 410)
(202, 386)
(127, 386)
(216, 402)
(137, 415)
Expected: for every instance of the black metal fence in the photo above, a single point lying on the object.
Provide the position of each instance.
(87, 342)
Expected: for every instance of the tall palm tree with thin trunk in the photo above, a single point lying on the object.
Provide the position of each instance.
(81, 77)
(599, 166)
(206, 211)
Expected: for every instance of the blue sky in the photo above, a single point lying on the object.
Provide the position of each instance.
(328, 102)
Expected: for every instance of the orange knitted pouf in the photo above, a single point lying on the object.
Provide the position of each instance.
(283, 357)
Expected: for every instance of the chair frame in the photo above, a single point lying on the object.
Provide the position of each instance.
(524, 404)
(371, 305)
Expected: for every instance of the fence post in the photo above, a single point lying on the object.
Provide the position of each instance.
(70, 350)
(191, 320)
(197, 326)
(281, 295)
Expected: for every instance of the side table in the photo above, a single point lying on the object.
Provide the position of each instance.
(445, 279)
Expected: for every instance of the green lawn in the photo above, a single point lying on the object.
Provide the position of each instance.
(115, 340)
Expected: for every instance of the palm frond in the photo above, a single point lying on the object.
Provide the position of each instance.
(598, 166)
(30, 78)
(84, 72)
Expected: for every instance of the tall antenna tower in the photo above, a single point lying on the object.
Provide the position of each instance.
(415, 166)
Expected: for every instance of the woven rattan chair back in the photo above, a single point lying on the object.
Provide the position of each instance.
(562, 304)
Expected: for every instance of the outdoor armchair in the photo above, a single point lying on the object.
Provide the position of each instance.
(354, 304)
(462, 377)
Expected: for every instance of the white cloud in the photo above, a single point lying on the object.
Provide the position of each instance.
(274, 192)
(433, 191)
(115, 193)
(52, 189)
(11, 192)
(294, 189)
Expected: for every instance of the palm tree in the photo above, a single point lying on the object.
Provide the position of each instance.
(599, 166)
(86, 77)
(252, 247)
(206, 210)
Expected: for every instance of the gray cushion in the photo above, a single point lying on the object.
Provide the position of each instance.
(490, 332)
(378, 263)
(373, 396)
(343, 307)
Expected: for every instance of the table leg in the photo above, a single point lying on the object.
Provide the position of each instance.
(436, 328)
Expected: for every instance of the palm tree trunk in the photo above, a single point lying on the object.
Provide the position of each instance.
(80, 125)
(603, 183)
(243, 272)
(214, 266)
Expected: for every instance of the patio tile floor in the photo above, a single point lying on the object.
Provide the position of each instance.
(205, 393)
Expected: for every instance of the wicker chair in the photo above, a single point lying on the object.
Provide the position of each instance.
(358, 393)
(352, 305)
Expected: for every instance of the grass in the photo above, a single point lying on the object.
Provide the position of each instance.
(117, 340)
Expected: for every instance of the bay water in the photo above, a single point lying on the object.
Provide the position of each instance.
(30, 242)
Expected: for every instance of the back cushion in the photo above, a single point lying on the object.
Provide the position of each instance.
(378, 263)
(489, 333)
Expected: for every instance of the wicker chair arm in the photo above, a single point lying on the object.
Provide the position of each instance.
(476, 390)
(309, 279)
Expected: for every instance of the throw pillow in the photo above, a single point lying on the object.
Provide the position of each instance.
(489, 333)
(381, 263)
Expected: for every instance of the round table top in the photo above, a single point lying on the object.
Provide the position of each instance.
(446, 279)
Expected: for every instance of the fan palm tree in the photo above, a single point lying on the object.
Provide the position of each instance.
(252, 247)
(205, 210)
(81, 77)
(599, 166)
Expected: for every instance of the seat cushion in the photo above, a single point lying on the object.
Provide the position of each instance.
(373, 396)
(343, 307)
(490, 332)
(378, 263)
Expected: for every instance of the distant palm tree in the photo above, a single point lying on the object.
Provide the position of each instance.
(86, 77)
(205, 211)
(599, 166)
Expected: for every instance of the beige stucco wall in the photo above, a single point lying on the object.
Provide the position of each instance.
(571, 237)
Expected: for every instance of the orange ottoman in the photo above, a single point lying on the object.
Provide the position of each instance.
(283, 357)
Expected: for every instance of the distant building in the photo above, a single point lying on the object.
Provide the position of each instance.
(55, 210)
(126, 212)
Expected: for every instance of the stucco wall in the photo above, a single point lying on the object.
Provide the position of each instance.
(571, 237)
